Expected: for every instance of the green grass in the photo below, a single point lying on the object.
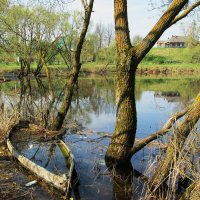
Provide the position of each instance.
(172, 57)
(8, 67)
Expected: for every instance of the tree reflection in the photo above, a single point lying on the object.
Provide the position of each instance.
(122, 178)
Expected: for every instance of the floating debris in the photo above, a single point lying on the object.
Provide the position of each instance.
(32, 183)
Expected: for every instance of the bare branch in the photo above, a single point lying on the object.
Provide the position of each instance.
(84, 4)
(165, 129)
(185, 12)
(163, 23)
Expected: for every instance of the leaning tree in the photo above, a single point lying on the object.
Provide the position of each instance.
(75, 66)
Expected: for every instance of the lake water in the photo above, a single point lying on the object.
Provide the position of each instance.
(93, 109)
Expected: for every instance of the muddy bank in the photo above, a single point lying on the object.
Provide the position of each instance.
(64, 72)
(167, 71)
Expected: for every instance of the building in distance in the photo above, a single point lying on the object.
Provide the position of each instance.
(173, 42)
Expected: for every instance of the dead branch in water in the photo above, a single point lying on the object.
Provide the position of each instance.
(165, 129)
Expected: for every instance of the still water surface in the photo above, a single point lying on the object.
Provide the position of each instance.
(93, 108)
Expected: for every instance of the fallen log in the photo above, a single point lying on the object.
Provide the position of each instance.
(61, 182)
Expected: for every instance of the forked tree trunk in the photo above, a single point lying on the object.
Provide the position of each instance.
(129, 57)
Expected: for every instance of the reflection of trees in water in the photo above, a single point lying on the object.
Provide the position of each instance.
(188, 87)
(122, 177)
(38, 100)
(92, 96)
(97, 96)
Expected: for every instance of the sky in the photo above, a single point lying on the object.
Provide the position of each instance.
(140, 14)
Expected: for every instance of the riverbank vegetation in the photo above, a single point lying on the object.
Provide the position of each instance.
(160, 59)
(55, 44)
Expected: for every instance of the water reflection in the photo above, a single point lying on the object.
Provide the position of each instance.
(122, 182)
(93, 107)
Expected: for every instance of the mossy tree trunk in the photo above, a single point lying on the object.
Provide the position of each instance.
(76, 66)
(129, 57)
(124, 135)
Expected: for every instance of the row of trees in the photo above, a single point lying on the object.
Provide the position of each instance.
(39, 35)
(34, 36)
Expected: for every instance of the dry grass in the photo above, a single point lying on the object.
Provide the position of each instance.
(184, 171)
(8, 117)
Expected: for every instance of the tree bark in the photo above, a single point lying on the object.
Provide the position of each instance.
(124, 135)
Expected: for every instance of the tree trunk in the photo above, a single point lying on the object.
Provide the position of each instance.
(22, 70)
(39, 67)
(76, 66)
(124, 135)
(28, 67)
(72, 79)
(129, 57)
(123, 138)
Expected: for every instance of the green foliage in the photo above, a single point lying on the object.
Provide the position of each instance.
(195, 58)
(89, 48)
(107, 55)
(155, 59)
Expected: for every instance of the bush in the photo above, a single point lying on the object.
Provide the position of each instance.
(195, 55)
(155, 59)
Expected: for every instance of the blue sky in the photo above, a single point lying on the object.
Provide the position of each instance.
(141, 16)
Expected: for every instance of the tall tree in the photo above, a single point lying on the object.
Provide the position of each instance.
(129, 57)
(28, 33)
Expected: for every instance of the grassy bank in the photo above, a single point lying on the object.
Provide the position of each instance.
(173, 60)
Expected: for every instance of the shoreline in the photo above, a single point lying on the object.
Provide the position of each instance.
(102, 70)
